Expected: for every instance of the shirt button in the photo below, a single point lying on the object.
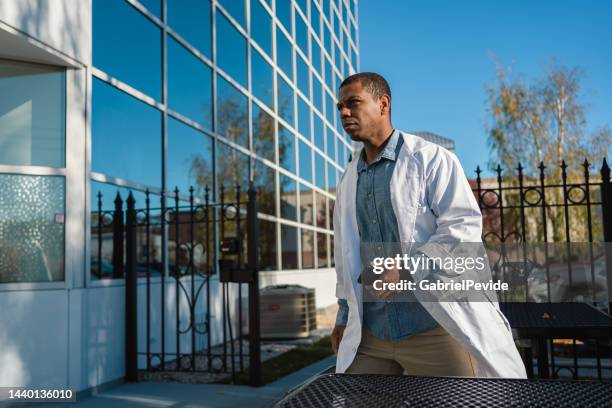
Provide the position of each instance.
(373, 221)
(369, 195)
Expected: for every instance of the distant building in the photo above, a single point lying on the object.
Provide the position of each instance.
(432, 137)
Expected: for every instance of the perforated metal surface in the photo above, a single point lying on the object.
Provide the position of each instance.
(541, 319)
(344, 390)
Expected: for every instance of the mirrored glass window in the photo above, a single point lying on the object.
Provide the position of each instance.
(315, 18)
(303, 5)
(306, 205)
(231, 50)
(188, 158)
(289, 242)
(301, 34)
(284, 54)
(264, 179)
(262, 78)
(232, 113)
(189, 85)
(316, 57)
(263, 133)
(31, 228)
(321, 210)
(308, 248)
(236, 9)
(317, 96)
(331, 177)
(288, 197)
(329, 76)
(319, 171)
(303, 82)
(126, 136)
(32, 115)
(154, 6)
(283, 12)
(286, 148)
(127, 45)
(191, 19)
(305, 153)
(330, 107)
(318, 132)
(232, 167)
(303, 118)
(331, 144)
(322, 261)
(285, 101)
(261, 26)
(267, 245)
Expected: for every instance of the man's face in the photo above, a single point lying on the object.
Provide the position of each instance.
(360, 112)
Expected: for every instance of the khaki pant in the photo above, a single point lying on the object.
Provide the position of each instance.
(432, 353)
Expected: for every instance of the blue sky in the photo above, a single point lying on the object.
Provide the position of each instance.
(436, 56)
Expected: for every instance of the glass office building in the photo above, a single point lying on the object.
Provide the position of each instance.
(106, 96)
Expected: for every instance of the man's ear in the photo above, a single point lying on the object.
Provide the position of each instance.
(385, 104)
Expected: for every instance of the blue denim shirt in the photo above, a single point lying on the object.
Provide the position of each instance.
(377, 223)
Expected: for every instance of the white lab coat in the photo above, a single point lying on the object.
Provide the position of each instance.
(433, 203)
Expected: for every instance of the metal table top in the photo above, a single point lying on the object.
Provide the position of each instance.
(557, 319)
(347, 390)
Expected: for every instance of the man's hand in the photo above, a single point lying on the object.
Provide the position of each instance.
(336, 337)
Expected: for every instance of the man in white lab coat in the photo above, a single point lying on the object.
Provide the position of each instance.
(401, 188)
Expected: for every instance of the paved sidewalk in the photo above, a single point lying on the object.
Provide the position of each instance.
(155, 394)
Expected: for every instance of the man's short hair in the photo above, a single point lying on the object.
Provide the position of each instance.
(374, 83)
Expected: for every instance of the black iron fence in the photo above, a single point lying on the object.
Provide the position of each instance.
(565, 218)
(192, 322)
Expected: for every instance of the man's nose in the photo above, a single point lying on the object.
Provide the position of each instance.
(345, 113)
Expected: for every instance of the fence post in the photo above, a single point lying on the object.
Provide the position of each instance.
(118, 238)
(131, 324)
(606, 210)
(253, 264)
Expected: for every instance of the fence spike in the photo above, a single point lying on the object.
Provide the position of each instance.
(520, 169)
(118, 200)
(563, 169)
(605, 171)
(499, 172)
(130, 200)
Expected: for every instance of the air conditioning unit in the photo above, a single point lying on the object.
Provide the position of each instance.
(286, 311)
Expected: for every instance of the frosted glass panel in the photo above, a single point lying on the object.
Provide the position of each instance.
(31, 228)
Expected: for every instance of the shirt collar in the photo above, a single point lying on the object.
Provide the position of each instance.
(389, 152)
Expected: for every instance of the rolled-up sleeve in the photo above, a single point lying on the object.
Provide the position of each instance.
(342, 316)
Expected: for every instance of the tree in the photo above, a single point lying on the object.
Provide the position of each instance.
(543, 121)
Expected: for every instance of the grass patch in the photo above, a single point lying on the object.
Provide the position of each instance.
(287, 363)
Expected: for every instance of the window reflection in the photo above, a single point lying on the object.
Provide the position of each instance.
(191, 19)
(286, 148)
(305, 161)
(264, 181)
(321, 210)
(189, 85)
(263, 133)
(262, 78)
(236, 9)
(330, 108)
(283, 12)
(319, 171)
(32, 228)
(306, 204)
(308, 248)
(303, 82)
(322, 261)
(284, 54)
(288, 197)
(232, 113)
(318, 131)
(301, 34)
(285, 101)
(289, 247)
(154, 6)
(267, 245)
(316, 57)
(331, 177)
(232, 167)
(303, 118)
(315, 18)
(331, 144)
(231, 50)
(127, 45)
(261, 26)
(32, 115)
(188, 158)
(126, 136)
(317, 98)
